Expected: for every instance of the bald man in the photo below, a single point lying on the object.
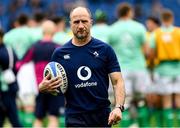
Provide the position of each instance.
(88, 65)
(40, 53)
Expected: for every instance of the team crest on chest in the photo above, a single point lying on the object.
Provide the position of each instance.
(96, 54)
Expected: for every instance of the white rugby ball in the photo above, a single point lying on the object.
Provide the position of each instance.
(56, 69)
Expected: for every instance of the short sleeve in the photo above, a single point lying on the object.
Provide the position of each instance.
(112, 64)
(54, 56)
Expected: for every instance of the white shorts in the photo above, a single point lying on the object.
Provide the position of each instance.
(166, 85)
(136, 81)
(27, 100)
(176, 87)
(28, 88)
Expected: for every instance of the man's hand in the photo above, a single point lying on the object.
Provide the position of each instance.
(115, 116)
(50, 85)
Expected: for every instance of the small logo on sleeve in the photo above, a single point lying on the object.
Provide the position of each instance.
(67, 56)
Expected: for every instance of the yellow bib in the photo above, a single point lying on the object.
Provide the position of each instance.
(168, 44)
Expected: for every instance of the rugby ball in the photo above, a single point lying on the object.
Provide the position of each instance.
(55, 69)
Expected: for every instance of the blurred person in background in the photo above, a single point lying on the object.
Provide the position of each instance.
(26, 75)
(19, 38)
(40, 53)
(128, 38)
(8, 85)
(165, 41)
(35, 23)
(152, 99)
(61, 36)
(100, 29)
(152, 23)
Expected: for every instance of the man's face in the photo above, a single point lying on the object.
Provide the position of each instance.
(151, 25)
(80, 23)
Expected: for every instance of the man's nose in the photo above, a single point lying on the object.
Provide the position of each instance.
(81, 25)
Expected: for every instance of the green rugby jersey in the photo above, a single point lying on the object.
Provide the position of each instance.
(36, 34)
(101, 32)
(62, 37)
(127, 38)
(19, 39)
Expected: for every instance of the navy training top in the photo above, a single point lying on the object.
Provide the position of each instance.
(87, 68)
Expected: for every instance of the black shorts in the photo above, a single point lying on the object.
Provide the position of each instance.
(48, 104)
(97, 118)
(8, 108)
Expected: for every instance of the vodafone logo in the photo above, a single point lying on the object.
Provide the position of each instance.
(84, 73)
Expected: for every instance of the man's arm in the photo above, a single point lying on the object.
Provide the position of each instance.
(119, 93)
(118, 86)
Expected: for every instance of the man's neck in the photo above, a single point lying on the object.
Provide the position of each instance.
(167, 25)
(47, 38)
(81, 42)
(125, 18)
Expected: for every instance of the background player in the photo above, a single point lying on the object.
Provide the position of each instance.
(40, 53)
(165, 41)
(8, 89)
(128, 38)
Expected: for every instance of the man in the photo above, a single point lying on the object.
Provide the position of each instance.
(8, 87)
(166, 44)
(152, 23)
(88, 62)
(14, 37)
(61, 36)
(100, 29)
(127, 37)
(152, 98)
(35, 23)
(40, 53)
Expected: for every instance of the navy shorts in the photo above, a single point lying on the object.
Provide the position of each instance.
(97, 118)
(48, 104)
(8, 108)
